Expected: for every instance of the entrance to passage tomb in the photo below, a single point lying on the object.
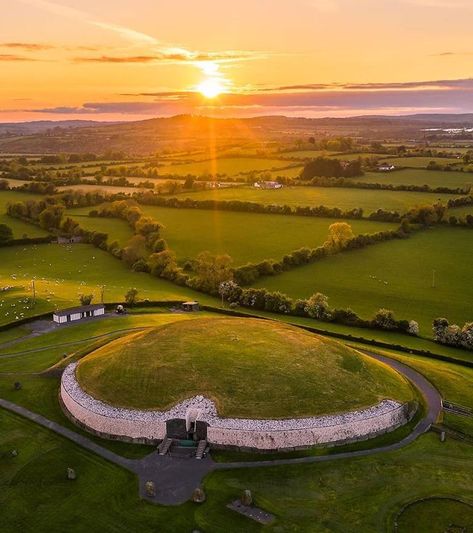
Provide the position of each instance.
(186, 429)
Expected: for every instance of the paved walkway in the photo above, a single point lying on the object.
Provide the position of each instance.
(176, 478)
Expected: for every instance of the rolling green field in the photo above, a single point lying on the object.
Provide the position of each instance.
(63, 272)
(246, 237)
(396, 275)
(116, 229)
(369, 200)
(249, 368)
(19, 227)
(419, 162)
(229, 166)
(433, 178)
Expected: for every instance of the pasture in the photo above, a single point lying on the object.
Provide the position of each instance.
(396, 275)
(229, 166)
(419, 162)
(433, 178)
(246, 237)
(345, 199)
(116, 229)
(63, 272)
(19, 227)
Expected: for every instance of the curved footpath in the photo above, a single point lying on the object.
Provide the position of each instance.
(176, 478)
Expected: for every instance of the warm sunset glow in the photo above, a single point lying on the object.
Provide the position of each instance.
(210, 88)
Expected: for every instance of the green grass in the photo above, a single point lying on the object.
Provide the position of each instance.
(418, 162)
(250, 368)
(19, 227)
(369, 200)
(434, 178)
(229, 166)
(50, 348)
(116, 229)
(246, 237)
(63, 272)
(406, 266)
(437, 515)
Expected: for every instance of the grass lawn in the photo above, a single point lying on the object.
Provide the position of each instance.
(434, 178)
(229, 166)
(19, 227)
(250, 368)
(63, 272)
(49, 348)
(247, 237)
(357, 278)
(369, 200)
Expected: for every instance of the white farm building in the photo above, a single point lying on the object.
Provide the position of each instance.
(78, 313)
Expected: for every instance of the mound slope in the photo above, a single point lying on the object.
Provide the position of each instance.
(248, 367)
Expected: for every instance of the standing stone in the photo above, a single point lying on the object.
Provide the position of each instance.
(71, 474)
(247, 498)
(150, 489)
(14, 453)
(198, 496)
(443, 436)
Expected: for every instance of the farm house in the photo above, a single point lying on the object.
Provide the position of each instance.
(78, 313)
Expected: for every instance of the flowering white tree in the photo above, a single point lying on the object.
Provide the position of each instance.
(413, 328)
(317, 307)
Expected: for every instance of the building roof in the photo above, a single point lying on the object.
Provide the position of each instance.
(190, 303)
(79, 309)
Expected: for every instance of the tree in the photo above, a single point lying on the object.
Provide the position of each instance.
(212, 270)
(131, 297)
(51, 217)
(86, 299)
(317, 307)
(384, 319)
(6, 234)
(229, 291)
(339, 234)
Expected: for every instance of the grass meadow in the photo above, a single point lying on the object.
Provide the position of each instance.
(433, 178)
(369, 200)
(396, 275)
(19, 227)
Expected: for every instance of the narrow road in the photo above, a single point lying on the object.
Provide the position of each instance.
(176, 478)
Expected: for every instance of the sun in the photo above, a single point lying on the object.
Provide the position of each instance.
(211, 87)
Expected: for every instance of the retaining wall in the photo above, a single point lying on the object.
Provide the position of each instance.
(150, 426)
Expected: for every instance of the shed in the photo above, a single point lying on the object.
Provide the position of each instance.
(190, 306)
(78, 313)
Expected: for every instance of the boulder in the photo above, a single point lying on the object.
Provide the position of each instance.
(150, 489)
(198, 496)
(247, 498)
(71, 473)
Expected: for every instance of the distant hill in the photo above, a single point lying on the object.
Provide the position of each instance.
(184, 132)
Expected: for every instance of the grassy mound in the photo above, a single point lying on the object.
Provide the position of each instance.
(250, 368)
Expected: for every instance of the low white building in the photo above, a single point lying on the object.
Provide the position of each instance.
(78, 313)
(268, 185)
(386, 167)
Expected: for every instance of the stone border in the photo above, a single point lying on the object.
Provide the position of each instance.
(266, 434)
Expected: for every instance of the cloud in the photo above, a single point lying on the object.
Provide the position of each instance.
(185, 56)
(29, 47)
(449, 54)
(14, 57)
(442, 4)
(454, 96)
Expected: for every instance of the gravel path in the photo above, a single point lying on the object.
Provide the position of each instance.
(176, 478)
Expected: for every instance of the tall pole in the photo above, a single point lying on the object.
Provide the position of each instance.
(34, 291)
(433, 279)
(101, 293)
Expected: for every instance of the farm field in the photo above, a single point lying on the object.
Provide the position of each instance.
(396, 275)
(116, 229)
(229, 166)
(419, 162)
(19, 227)
(63, 272)
(246, 237)
(369, 200)
(433, 178)
(110, 189)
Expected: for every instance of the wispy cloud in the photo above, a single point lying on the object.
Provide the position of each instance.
(14, 57)
(442, 4)
(29, 47)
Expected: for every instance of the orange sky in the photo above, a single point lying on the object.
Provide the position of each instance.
(116, 59)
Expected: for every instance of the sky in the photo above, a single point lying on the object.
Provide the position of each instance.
(131, 60)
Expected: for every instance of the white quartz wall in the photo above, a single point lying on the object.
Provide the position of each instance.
(245, 433)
